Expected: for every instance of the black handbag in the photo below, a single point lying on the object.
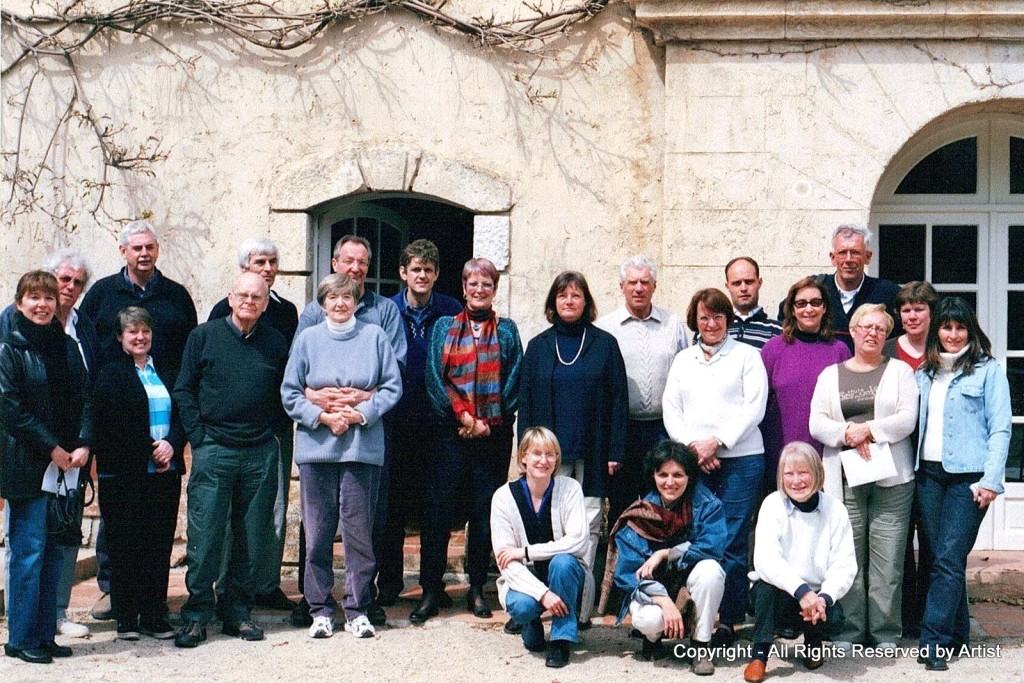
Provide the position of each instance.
(64, 511)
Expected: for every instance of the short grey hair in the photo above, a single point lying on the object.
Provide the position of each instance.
(640, 262)
(68, 257)
(849, 230)
(255, 245)
(137, 228)
(336, 284)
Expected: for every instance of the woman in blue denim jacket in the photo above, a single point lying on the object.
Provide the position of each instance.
(964, 423)
(672, 538)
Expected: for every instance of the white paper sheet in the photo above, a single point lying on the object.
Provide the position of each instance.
(50, 478)
(860, 471)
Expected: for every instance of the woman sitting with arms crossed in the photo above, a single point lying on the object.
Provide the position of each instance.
(803, 559)
(672, 538)
(541, 537)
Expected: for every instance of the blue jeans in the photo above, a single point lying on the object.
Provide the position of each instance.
(565, 579)
(36, 564)
(950, 519)
(737, 483)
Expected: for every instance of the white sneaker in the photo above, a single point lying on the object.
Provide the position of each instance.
(65, 627)
(844, 646)
(321, 628)
(360, 627)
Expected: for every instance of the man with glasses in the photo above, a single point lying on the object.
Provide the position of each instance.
(231, 418)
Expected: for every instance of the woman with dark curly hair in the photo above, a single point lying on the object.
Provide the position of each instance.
(671, 539)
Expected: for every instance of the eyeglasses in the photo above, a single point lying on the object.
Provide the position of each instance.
(257, 298)
(804, 303)
(705, 319)
(873, 329)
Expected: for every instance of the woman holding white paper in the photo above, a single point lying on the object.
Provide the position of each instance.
(866, 401)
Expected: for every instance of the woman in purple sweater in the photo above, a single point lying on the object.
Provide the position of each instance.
(793, 361)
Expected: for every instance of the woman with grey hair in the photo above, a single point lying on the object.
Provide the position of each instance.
(340, 453)
(870, 399)
(139, 448)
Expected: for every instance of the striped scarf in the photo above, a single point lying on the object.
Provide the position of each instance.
(471, 368)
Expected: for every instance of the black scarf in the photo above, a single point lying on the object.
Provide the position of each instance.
(50, 342)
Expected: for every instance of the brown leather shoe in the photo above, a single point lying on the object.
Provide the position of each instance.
(754, 673)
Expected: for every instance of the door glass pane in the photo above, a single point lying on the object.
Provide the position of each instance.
(1016, 165)
(1015, 462)
(901, 252)
(1015, 373)
(1015, 321)
(390, 251)
(954, 253)
(1015, 257)
(970, 297)
(952, 169)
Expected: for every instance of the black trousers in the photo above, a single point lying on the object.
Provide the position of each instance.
(139, 514)
(462, 472)
(774, 608)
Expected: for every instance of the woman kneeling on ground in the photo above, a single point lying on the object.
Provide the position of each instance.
(803, 559)
(671, 539)
(541, 540)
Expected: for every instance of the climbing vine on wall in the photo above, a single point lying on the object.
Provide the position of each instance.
(48, 38)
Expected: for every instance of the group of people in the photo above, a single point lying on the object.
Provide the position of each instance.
(403, 409)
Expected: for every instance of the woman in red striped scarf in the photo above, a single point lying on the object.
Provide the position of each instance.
(473, 382)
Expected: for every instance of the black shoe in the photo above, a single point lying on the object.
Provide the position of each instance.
(558, 654)
(787, 633)
(191, 634)
(300, 616)
(32, 655)
(933, 663)
(723, 636)
(649, 651)
(156, 627)
(275, 600)
(375, 613)
(245, 629)
(56, 650)
(512, 628)
(127, 629)
(584, 625)
(429, 606)
(476, 604)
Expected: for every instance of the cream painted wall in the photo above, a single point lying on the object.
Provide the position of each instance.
(579, 140)
(772, 146)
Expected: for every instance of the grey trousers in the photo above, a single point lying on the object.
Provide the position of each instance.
(333, 492)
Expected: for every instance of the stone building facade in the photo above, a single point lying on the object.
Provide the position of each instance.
(693, 131)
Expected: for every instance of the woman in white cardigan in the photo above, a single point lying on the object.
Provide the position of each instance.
(541, 538)
(866, 400)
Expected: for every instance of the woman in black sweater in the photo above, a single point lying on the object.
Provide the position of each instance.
(139, 443)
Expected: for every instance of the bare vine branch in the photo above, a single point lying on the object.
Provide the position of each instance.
(60, 32)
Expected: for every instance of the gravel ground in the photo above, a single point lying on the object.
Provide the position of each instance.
(448, 650)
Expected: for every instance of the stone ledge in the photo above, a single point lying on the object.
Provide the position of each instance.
(835, 20)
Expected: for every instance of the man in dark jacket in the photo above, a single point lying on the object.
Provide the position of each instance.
(849, 286)
(228, 395)
(140, 283)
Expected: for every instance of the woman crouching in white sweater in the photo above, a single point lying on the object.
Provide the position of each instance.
(540, 536)
(803, 559)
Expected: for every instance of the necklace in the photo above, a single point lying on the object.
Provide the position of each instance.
(577, 356)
